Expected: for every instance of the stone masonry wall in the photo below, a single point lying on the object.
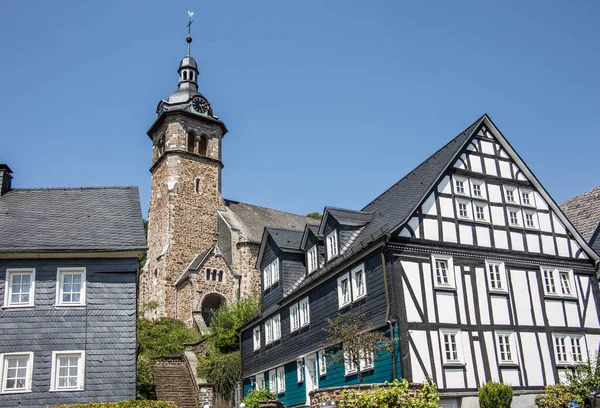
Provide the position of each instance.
(244, 263)
(321, 397)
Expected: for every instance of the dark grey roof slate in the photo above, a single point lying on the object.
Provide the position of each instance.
(195, 265)
(286, 238)
(350, 217)
(584, 212)
(77, 219)
(251, 220)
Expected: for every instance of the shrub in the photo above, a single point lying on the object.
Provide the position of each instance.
(164, 337)
(226, 322)
(495, 395)
(255, 396)
(557, 396)
(584, 376)
(146, 388)
(222, 370)
(123, 404)
(394, 395)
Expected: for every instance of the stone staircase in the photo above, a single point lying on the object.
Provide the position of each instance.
(174, 382)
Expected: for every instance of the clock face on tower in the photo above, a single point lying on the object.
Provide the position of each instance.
(200, 105)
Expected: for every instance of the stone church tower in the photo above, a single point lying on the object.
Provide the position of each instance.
(202, 249)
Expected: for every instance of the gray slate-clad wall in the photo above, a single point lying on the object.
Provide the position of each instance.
(104, 328)
(293, 269)
(323, 303)
(274, 294)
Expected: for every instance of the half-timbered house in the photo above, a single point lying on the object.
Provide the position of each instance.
(467, 263)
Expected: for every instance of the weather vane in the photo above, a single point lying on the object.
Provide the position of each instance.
(189, 27)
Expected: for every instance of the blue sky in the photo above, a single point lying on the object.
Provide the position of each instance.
(327, 102)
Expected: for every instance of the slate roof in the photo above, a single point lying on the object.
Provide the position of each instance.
(584, 212)
(350, 217)
(251, 220)
(195, 265)
(71, 219)
(286, 238)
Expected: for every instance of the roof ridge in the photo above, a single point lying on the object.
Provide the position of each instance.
(580, 195)
(348, 209)
(286, 229)
(266, 208)
(75, 188)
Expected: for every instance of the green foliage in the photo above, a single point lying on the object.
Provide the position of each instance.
(255, 396)
(164, 337)
(123, 404)
(557, 396)
(226, 323)
(495, 395)
(146, 388)
(143, 256)
(356, 341)
(222, 370)
(314, 215)
(585, 376)
(394, 395)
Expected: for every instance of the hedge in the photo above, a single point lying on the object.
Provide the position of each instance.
(123, 404)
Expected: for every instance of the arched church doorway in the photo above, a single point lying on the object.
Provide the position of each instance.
(210, 304)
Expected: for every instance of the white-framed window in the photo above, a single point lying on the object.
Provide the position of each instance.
(68, 371)
(558, 282)
(359, 284)
(463, 209)
(260, 381)
(280, 380)
(256, 337)
(322, 362)
(443, 270)
(312, 260)
(496, 273)
(304, 309)
(300, 370)
(451, 346)
(272, 381)
(349, 365)
(569, 348)
(481, 212)
(70, 288)
(344, 294)
(19, 288)
(510, 196)
(268, 331)
(461, 186)
(478, 189)
(294, 317)
(527, 198)
(16, 374)
(271, 274)
(514, 217)
(332, 245)
(367, 361)
(276, 327)
(506, 347)
(530, 219)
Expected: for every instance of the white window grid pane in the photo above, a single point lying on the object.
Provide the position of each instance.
(16, 372)
(67, 372)
(565, 283)
(477, 190)
(561, 349)
(529, 220)
(322, 363)
(294, 319)
(513, 217)
(345, 291)
(495, 276)
(256, 338)
(525, 196)
(441, 271)
(276, 327)
(504, 346)
(549, 281)
(510, 196)
(450, 347)
(460, 186)
(300, 370)
(280, 380)
(71, 287)
(576, 349)
(462, 210)
(479, 212)
(360, 284)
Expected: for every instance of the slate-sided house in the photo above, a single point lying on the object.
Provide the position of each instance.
(467, 263)
(68, 266)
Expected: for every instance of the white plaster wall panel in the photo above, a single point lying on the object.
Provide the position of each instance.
(455, 377)
(420, 339)
(495, 193)
(532, 365)
(544, 219)
(574, 247)
(449, 231)
(489, 135)
(444, 186)
(469, 362)
(520, 294)
(483, 236)
(516, 239)
(500, 239)
(572, 314)
(429, 205)
(490, 345)
(487, 147)
(582, 256)
(431, 315)
(471, 147)
(490, 166)
(563, 246)
(591, 317)
(482, 294)
(446, 307)
(554, 311)
(435, 345)
(466, 234)
(535, 298)
(583, 281)
(503, 153)
(446, 207)
(500, 309)
(460, 290)
(505, 169)
(470, 300)
(540, 202)
(479, 361)
(405, 233)
(559, 228)
(430, 229)
(533, 242)
(459, 165)
(548, 245)
(521, 177)
(414, 224)
(475, 162)
(511, 377)
(593, 343)
(498, 216)
(515, 168)
(411, 271)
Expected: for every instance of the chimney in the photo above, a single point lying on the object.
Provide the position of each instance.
(5, 179)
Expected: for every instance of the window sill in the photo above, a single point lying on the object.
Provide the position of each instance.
(360, 297)
(345, 305)
(509, 365)
(68, 390)
(15, 392)
(500, 292)
(484, 222)
(454, 364)
(350, 374)
(61, 306)
(551, 296)
(445, 288)
(8, 307)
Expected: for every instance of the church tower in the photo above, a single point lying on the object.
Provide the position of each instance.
(186, 189)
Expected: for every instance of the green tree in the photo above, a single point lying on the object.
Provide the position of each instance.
(358, 343)
(314, 215)
(584, 376)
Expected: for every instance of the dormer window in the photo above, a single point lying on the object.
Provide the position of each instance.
(312, 259)
(332, 245)
(271, 274)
